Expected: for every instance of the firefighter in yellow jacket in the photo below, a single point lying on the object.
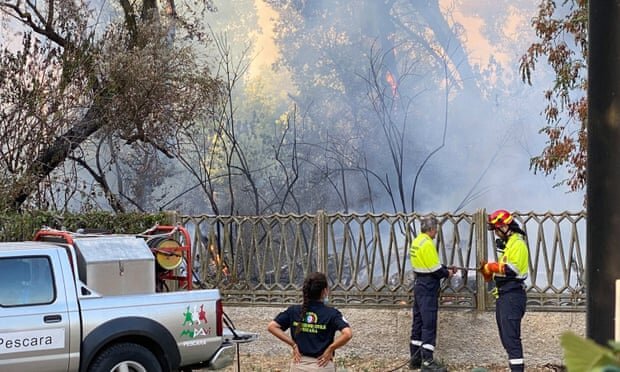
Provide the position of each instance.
(509, 274)
(428, 274)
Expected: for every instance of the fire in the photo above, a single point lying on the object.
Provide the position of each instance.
(390, 80)
(217, 260)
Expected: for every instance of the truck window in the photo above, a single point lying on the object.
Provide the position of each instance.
(26, 281)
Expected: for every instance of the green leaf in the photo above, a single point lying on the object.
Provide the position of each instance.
(615, 346)
(581, 354)
(607, 368)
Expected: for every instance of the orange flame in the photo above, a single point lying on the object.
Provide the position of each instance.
(217, 260)
(390, 80)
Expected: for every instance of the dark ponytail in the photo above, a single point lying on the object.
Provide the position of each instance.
(514, 226)
(314, 285)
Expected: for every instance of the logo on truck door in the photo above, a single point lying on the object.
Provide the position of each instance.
(45, 339)
(195, 323)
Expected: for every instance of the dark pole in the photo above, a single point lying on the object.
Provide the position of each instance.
(603, 188)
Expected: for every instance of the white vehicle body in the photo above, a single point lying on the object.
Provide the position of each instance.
(50, 320)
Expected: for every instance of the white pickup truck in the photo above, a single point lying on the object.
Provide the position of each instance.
(80, 302)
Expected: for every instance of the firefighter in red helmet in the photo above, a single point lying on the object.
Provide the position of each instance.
(509, 274)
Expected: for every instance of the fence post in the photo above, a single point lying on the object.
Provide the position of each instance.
(481, 254)
(172, 217)
(321, 241)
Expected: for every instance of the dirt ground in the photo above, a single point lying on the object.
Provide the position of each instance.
(261, 363)
(467, 340)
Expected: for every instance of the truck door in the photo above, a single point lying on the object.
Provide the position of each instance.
(34, 316)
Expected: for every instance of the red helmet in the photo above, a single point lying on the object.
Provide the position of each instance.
(499, 218)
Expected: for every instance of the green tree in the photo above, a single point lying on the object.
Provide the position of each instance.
(563, 45)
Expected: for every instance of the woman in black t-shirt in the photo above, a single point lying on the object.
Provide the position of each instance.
(313, 334)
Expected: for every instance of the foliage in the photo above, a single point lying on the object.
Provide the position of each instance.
(562, 33)
(22, 226)
(82, 81)
(581, 354)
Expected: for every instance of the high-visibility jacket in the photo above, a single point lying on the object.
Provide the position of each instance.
(515, 257)
(423, 255)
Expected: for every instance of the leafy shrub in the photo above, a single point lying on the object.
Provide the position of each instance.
(582, 354)
(22, 226)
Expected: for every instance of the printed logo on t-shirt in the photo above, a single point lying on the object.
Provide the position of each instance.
(311, 318)
(310, 324)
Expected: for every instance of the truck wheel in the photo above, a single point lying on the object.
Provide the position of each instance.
(125, 357)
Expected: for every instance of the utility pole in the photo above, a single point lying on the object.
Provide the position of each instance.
(603, 169)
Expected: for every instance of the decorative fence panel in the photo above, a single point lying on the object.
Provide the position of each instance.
(264, 259)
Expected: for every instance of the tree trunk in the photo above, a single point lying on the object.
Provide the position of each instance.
(56, 154)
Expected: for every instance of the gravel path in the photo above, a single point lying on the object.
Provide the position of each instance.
(466, 339)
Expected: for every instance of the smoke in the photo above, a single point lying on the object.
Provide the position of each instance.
(449, 70)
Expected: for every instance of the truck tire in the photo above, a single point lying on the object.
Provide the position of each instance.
(125, 357)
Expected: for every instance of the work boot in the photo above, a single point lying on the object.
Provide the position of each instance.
(415, 362)
(516, 367)
(433, 365)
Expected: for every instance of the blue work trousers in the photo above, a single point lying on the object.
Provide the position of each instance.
(509, 310)
(424, 325)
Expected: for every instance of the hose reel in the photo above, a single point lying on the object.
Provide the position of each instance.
(168, 252)
(171, 246)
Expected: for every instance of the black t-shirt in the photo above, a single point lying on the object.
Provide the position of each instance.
(318, 328)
